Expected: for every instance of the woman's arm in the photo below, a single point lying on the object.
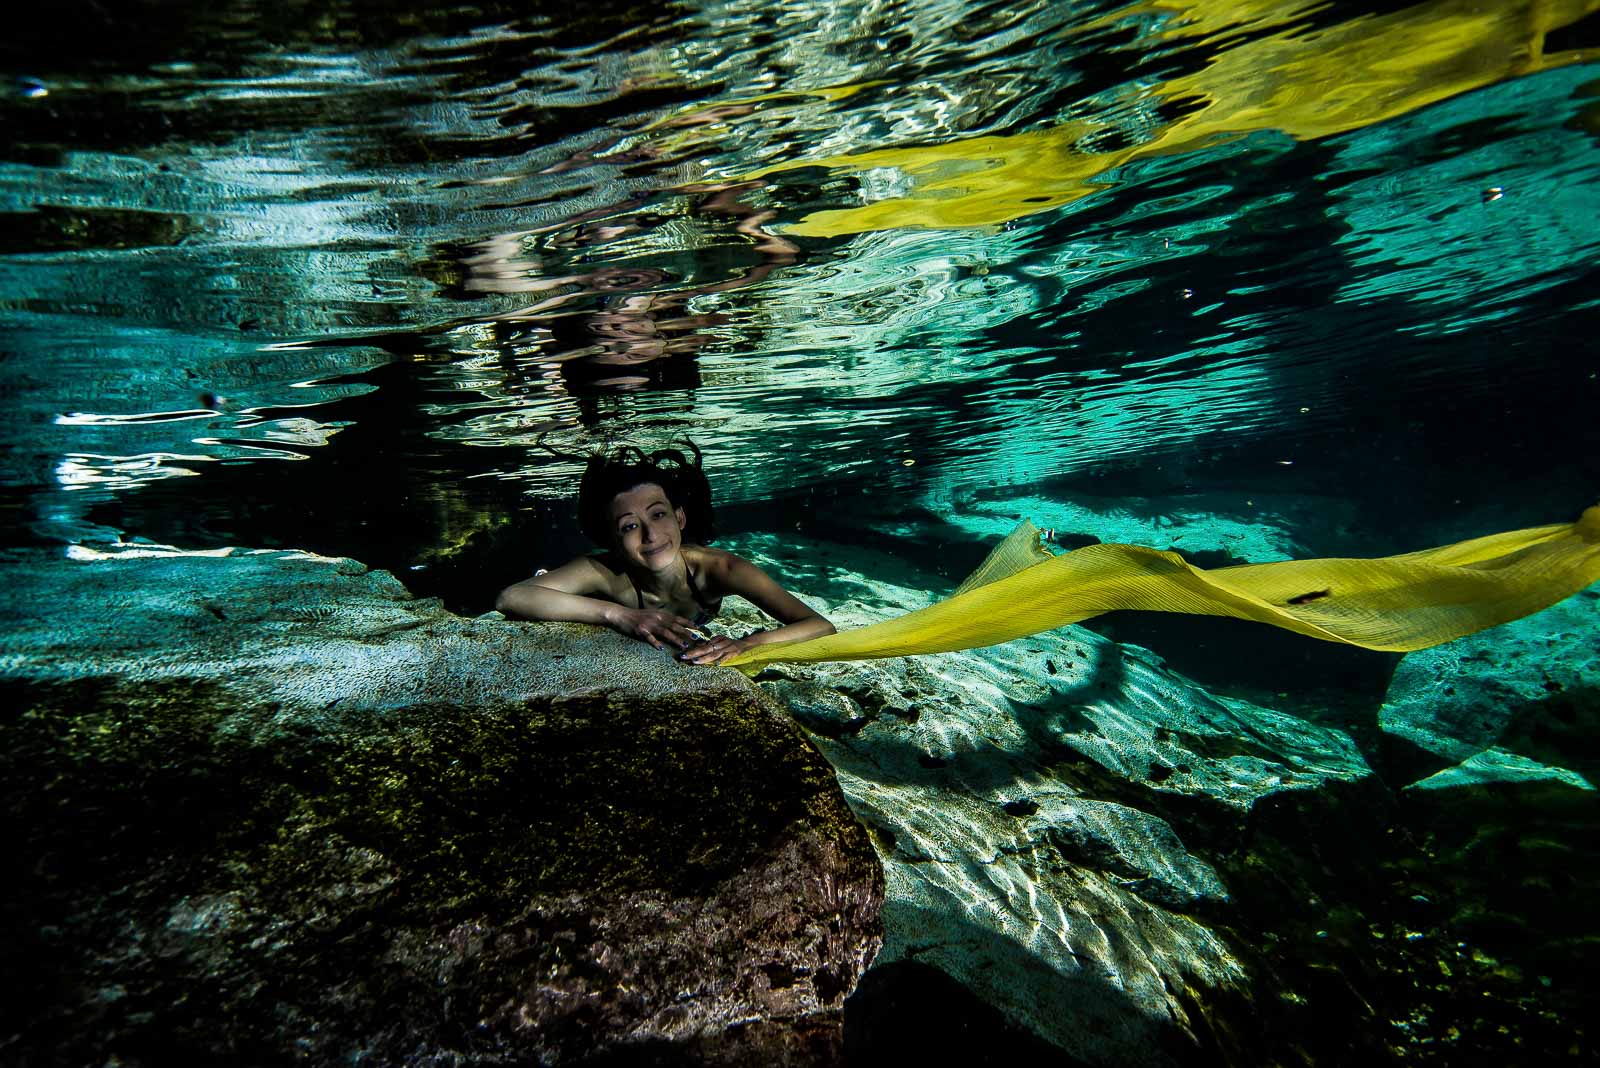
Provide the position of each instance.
(735, 574)
(578, 592)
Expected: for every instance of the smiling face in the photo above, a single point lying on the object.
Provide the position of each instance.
(648, 530)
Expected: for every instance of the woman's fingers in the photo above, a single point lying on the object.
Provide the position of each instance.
(663, 628)
(695, 653)
(679, 632)
(711, 652)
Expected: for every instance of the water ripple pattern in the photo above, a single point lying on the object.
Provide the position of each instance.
(951, 243)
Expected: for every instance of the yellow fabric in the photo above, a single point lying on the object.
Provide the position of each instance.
(1270, 71)
(1021, 549)
(1395, 603)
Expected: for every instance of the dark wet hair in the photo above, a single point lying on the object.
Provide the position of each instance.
(684, 481)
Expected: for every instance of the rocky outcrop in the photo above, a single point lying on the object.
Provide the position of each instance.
(1526, 685)
(269, 808)
(1044, 811)
(1084, 847)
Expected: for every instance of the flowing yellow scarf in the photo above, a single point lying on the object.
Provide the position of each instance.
(1393, 603)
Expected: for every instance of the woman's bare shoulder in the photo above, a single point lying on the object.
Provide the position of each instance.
(599, 563)
(582, 575)
(729, 571)
(712, 560)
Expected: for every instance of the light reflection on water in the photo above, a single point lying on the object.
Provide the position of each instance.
(924, 246)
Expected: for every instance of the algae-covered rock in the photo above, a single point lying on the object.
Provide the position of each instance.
(287, 814)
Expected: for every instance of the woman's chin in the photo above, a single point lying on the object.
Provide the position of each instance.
(659, 561)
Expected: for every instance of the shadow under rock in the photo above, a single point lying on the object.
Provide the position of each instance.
(1562, 730)
(910, 1010)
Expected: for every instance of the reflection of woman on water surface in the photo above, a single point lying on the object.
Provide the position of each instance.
(641, 320)
(657, 580)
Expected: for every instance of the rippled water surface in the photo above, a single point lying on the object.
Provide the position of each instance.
(327, 274)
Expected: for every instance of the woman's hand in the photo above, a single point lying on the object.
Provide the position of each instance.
(653, 625)
(712, 651)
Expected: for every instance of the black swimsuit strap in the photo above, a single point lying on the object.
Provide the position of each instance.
(694, 591)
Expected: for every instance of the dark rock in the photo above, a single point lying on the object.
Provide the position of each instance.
(662, 874)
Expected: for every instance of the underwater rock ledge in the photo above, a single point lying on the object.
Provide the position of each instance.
(1127, 868)
(270, 808)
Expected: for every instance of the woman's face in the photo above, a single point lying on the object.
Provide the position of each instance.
(647, 528)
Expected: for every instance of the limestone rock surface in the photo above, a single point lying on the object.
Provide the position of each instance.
(1044, 811)
(267, 808)
(1140, 871)
(1527, 685)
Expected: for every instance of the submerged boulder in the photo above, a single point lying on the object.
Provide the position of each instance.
(269, 808)
(1529, 686)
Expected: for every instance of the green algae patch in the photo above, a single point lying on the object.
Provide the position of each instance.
(207, 880)
(103, 781)
(118, 804)
(594, 792)
(597, 791)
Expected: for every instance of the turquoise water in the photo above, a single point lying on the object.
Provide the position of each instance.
(359, 263)
(1247, 279)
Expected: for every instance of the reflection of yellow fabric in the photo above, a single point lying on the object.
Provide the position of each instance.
(1306, 85)
(1395, 603)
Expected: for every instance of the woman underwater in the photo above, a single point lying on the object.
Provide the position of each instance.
(658, 580)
